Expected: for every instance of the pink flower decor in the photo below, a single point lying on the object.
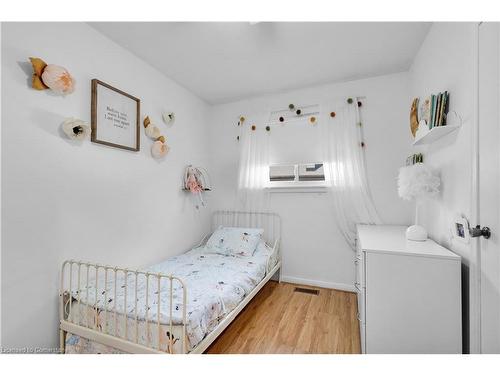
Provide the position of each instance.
(58, 79)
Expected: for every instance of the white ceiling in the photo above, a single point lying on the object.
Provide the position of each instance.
(226, 61)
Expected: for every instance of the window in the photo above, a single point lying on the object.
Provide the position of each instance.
(282, 173)
(311, 172)
(304, 175)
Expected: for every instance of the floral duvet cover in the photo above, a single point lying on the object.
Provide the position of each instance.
(215, 285)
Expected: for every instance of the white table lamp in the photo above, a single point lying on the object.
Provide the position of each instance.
(417, 182)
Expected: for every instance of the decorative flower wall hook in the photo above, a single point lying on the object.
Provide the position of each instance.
(75, 129)
(50, 76)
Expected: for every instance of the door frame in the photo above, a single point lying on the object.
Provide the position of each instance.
(475, 265)
(475, 288)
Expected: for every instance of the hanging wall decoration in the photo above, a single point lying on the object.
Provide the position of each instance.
(168, 118)
(305, 114)
(151, 130)
(159, 148)
(241, 120)
(50, 76)
(75, 129)
(115, 117)
(414, 117)
(196, 181)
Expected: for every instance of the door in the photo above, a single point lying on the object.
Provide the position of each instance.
(489, 188)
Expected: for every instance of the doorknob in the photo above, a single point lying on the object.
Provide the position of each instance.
(478, 231)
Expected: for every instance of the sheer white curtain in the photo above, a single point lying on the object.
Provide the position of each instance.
(253, 167)
(345, 167)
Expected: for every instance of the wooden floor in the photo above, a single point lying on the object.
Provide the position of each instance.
(279, 320)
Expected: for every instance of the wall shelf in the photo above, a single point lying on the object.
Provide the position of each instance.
(434, 134)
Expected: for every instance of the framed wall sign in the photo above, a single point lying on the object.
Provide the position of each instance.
(115, 117)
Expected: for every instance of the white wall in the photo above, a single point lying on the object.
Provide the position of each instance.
(314, 250)
(445, 62)
(65, 200)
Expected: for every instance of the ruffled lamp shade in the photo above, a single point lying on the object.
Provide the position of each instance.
(417, 182)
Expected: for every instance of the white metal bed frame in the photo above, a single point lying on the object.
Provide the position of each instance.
(270, 222)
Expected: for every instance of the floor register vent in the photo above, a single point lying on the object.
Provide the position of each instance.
(308, 291)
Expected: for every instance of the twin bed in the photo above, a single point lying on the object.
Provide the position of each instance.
(180, 305)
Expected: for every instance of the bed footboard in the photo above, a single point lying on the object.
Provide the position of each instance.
(101, 303)
(274, 259)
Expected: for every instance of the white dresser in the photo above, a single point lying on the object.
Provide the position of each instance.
(409, 293)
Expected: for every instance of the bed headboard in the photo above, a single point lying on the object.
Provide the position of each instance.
(269, 221)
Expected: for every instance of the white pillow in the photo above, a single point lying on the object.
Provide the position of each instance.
(263, 248)
(235, 241)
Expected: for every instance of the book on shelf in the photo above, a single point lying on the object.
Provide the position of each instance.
(431, 118)
(433, 113)
(436, 104)
(446, 100)
(437, 109)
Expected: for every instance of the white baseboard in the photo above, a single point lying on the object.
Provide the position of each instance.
(319, 283)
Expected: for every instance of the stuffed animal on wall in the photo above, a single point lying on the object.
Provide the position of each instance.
(50, 76)
(196, 181)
